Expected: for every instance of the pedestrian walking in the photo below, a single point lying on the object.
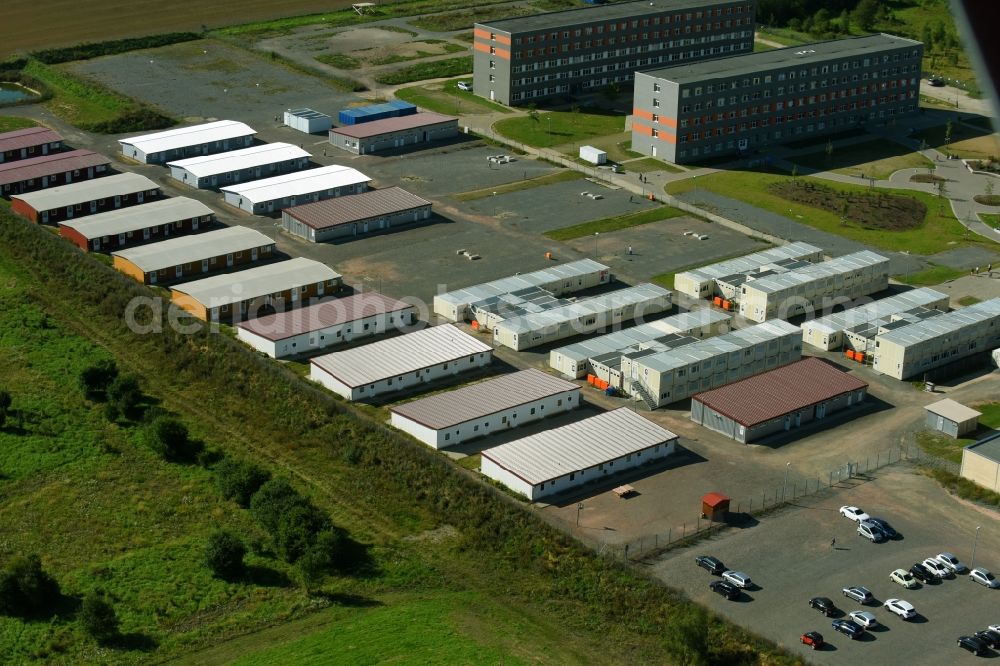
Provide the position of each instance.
(630, 250)
(976, 272)
(833, 542)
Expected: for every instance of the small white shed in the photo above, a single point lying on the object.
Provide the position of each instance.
(952, 418)
(308, 121)
(593, 155)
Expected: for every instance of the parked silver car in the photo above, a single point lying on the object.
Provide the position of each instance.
(984, 577)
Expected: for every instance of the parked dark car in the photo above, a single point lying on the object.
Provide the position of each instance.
(823, 605)
(885, 527)
(972, 644)
(990, 637)
(813, 639)
(921, 573)
(935, 82)
(727, 590)
(711, 564)
(848, 628)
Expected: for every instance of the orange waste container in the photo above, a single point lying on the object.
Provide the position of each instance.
(849, 353)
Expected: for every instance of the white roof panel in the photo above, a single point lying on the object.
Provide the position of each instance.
(204, 166)
(90, 190)
(193, 135)
(397, 356)
(187, 249)
(945, 324)
(298, 183)
(479, 292)
(953, 411)
(869, 312)
(722, 344)
(815, 272)
(255, 282)
(595, 305)
(753, 261)
(135, 218)
(578, 446)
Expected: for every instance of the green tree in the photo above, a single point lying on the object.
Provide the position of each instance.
(168, 437)
(989, 193)
(948, 127)
(123, 397)
(864, 14)
(821, 20)
(98, 618)
(940, 34)
(533, 112)
(95, 379)
(224, 555)
(845, 22)
(297, 530)
(238, 480)
(272, 500)
(927, 37)
(26, 588)
(687, 636)
(5, 402)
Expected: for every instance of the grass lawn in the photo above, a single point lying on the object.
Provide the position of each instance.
(966, 301)
(436, 69)
(446, 98)
(931, 276)
(761, 46)
(938, 230)
(935, 103)
(992, 219)
(617, 146)
(609, 224)
(820, 141)
(555, 128)
(875, 159)
(786, 36)
(949, 448)
(548, 179)
(648, 164)
(965, 141)
(666, 280)
(465, 19)
(339, 60)
(11, 123)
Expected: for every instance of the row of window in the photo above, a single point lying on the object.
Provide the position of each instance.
(417, 373)
(598, 468)
(642, 48)
(270, 298)
(503, 419)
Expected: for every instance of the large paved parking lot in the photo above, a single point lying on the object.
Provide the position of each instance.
(789, 556)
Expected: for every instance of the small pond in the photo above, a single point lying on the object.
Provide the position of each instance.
(13, 92)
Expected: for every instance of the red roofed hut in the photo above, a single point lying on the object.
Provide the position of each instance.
(715, 507)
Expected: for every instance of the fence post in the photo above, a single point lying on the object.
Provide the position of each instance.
(698, 525)
(656, 541)
(669, 534)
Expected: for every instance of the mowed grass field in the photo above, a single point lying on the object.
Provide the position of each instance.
(28, 26)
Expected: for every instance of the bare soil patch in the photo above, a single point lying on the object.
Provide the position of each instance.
(886, 212)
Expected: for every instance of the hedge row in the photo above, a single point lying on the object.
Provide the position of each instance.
(96, 49)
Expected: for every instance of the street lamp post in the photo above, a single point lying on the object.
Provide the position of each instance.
(972, 564)
(784, 484)
(596, 234)
(579, 507)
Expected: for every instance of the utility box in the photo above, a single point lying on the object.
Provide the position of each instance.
(308, 121)
(593, 155)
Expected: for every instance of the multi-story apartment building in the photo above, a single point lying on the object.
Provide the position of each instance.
(745, 103)
(530, 58)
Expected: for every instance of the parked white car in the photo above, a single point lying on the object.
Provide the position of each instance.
(984, 577)
(904, 578)
(903, 609)
(994, 627)
(465, 86)
(936, 567)
(854, 513)
(951, 562)
(737, 578)
(865, 618)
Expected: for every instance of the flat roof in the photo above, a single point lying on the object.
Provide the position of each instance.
(397, 356)
(236, 160)
(603, 12)
(306, 113)
(135, 218)
(797, 277)
(27, 137)
(193, 135)
(330, 312)
(944, 324)
(478, 400)
(298, 183)
(344, 210)
(869, 312)
(791, 56)
(89, 190)
(479, 292)
(594, 305)
(750, 262)
(255, 282)
(186, 249)
(772, 394)
(953, 411)
(47, 165)
(578, 446)
(376, 127)
(726, 343)
(988, 447)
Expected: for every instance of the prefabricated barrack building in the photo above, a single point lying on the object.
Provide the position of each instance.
(583, 316)
(39, 173)
(176, 144)
(326, 324)
(588, 450)
(981, 462)
(29, 142)
(661, 378)
(939, 341)
(829, 332)
(378, 135)
(703, 282)
(448, 419)
(562, 279)
(256, 291)
(236, 166)
(68, 202)
(357, 215)
(290, 189)
(952, 418)
(133, 226)
(400, 363)
(575, 360)
(308, 121)
(778, 400)
(187, 256)
(785, 294)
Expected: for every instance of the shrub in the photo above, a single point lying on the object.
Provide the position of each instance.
(169, 438)
(26, 589)
(238, 480)
(123, 397)
(96, 49)
(95, 379)
(5, 402)
(297, 530)
(224, 554)
(272, 500)
(98, 618)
